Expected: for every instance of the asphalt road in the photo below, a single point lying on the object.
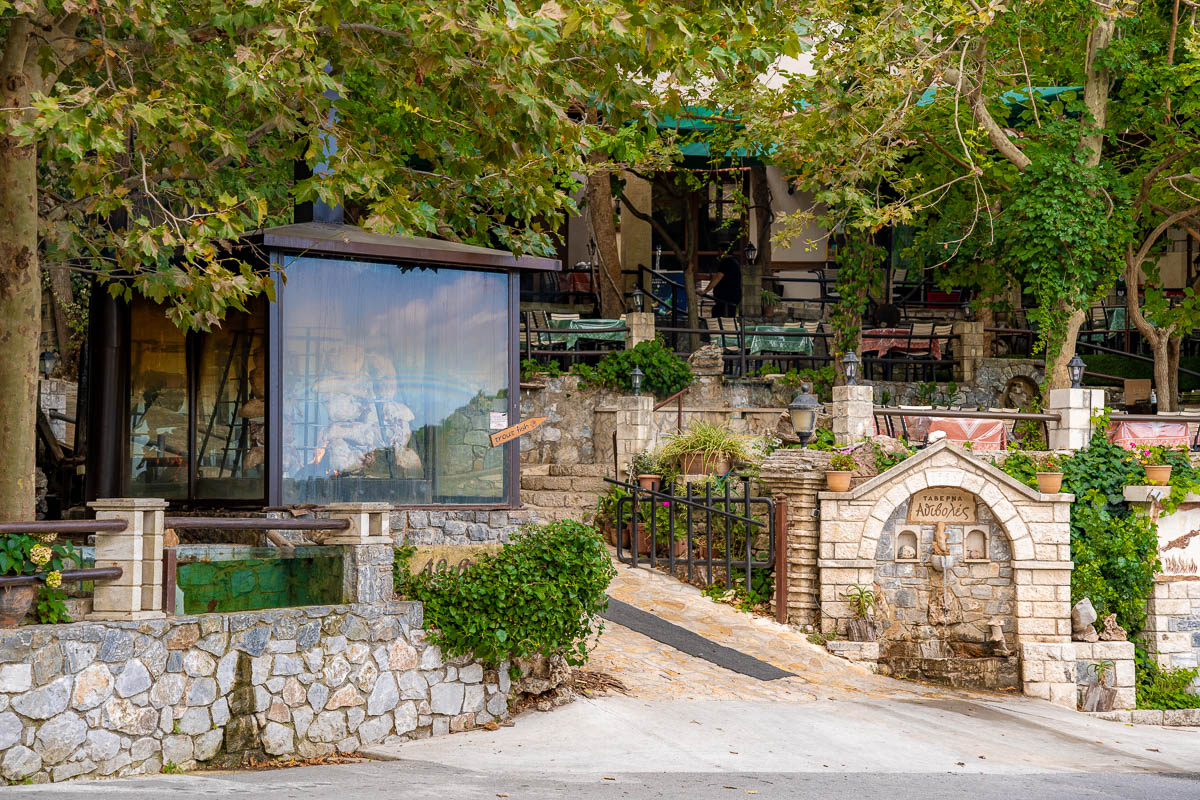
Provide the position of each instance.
(929, 748)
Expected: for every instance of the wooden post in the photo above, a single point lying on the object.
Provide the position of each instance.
(781, 558)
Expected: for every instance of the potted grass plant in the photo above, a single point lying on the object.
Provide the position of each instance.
(705, 449)
(1049, 474)
(862, 603)
(841, 467)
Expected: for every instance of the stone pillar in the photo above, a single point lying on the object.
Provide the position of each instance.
(635, 428)
(1075, 407)
(138, 551)
(367, 565)
(972, 347)
(641, 328)
(853, 414)
(800, 475)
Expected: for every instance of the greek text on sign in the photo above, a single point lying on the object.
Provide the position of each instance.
(942, 505)
(520, 429)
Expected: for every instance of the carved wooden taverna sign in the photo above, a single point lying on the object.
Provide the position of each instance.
(942, 504)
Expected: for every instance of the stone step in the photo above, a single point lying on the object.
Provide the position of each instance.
(544, 515)
(544, 499)
(581, 470)
(535, 483)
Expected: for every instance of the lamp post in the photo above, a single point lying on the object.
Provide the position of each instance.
(639, 299)
(1075, 369)
(46, 362)
(750, 251)
(850, 365)
(803, 411)
(635, 378)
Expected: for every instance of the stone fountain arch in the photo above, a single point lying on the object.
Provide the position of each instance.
(1037, 527)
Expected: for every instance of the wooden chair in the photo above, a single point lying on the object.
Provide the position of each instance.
(728, 333)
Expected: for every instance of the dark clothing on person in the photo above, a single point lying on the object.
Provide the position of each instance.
(727, 294)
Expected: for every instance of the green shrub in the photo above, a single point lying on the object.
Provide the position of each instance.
(1163, 688)
(665, 372)
(538, 595)
(531, 369)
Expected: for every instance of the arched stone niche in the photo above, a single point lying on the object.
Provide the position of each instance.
(936, 618)
(1028, 535)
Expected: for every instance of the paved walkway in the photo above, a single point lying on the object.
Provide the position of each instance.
(650, 669)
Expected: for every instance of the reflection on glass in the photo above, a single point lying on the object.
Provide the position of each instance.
(392, 380)
(231, 404)
(158, 412)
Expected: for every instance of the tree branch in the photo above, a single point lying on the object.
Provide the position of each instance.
(996, 135)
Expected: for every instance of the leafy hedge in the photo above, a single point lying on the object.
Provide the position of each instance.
(1116, 550)
(665, 372)
(538, 595)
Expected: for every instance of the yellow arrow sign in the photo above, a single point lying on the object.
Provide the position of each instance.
(520, 429)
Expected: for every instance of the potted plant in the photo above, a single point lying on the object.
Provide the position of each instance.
(1099, 695)
(22, 554)
(841, 467)
(705, 449)
(862, 603)
(1153, 460)
(605, 515)
(1049, 474)
(645, 467)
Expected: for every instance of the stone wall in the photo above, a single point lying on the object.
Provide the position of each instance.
(1172, 632)
(457, 527)
(575, 434)
(126, 698)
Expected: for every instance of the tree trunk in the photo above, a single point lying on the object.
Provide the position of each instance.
(62, 297)
(1162, 381)
(692, 235)
(1056, 369)
(1171, 401)
(20, 292)
(752, 275)
(604, 231)
(1095, 89)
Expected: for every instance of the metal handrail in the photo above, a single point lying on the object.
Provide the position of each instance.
(64, 526)
(86, 574)
(892, 411)
(257, 524)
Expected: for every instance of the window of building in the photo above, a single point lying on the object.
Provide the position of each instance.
(392, 379)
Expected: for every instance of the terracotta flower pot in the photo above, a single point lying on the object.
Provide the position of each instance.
(698, 464)
(1158, 475)
(650, 482)
(838, 480)
(15, 602)
(644, 543)
(1049, 482)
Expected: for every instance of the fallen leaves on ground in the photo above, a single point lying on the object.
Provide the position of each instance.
(316, 761)
(592, 683)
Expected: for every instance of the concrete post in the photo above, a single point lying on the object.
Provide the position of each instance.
(1075, 408)
(853, 414)
(367, 551)
(138, 551)
(641, 328)
(971, 343)
(635, 428)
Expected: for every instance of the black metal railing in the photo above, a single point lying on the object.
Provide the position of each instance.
(710, 535)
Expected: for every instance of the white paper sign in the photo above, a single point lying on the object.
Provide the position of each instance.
(499, 421)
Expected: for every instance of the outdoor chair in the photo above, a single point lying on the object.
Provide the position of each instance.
(726, 332)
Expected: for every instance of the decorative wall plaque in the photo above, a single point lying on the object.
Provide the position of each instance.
(953, 506)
